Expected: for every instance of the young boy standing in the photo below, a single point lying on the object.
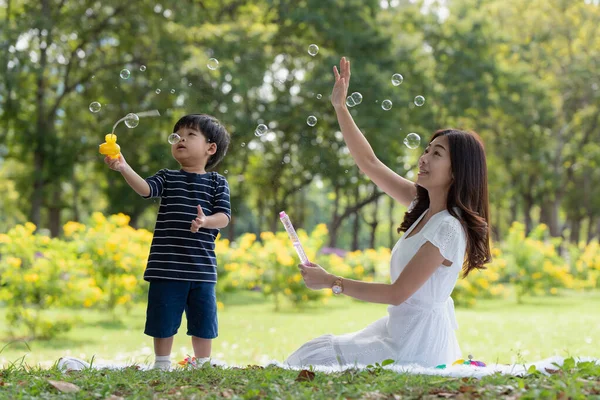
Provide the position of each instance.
(182, 266)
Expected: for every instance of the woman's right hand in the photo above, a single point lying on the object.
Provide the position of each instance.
(117, 164)
(342, 81)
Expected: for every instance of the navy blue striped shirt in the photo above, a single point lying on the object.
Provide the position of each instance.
(176, 253)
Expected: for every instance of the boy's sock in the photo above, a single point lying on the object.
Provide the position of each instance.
(162, 362)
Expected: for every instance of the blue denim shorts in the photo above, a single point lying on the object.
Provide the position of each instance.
(167, 300)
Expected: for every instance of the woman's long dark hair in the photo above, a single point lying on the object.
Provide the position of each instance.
(468, 192)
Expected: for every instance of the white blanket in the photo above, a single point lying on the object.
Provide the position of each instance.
(544, 366)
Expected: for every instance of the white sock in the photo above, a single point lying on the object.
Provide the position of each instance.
(162, 359)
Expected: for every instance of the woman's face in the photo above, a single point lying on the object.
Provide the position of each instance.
(435, 167)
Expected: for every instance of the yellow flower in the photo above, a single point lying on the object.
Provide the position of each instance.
(287, 291)
(14, 262)
(31, 278)
(220, 306)
(30, 227)
(4, 238)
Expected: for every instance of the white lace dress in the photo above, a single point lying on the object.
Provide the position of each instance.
(418, 331)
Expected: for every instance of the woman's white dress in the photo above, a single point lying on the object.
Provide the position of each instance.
(420, 330)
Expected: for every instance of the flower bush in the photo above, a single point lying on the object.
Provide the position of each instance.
(101, 265)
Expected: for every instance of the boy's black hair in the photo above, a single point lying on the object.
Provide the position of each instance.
(213, 131)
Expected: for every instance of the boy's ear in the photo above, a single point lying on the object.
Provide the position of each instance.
(212, 149)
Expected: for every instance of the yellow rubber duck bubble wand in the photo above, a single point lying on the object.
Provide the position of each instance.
(110, 147)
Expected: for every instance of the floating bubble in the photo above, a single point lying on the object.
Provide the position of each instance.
(132, 120)
(350, 101)
(142, 68)
(190, 84)
(213, 64)
(419, 101)
(261, 129)
(95, 106)
(174, 138)
(226, 172)
(313, 49)
(397, 79)
(172, 91)
(243, 144)
(311, 121)
(386, 105)
(357, 97)
(412, 141)
(125, 74)
(319, 96)
(157, 91)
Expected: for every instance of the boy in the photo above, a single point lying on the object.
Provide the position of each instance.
(182, 267)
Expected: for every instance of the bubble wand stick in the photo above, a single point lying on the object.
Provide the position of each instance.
(110, 147)
(285, 219)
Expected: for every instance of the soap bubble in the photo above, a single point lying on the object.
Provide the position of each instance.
(319, 96)
(190, 84)
(419, 101)
(125, 74)
(142, 68)
(412, 141)
(261, 130)
(157, 91)
(397, 79)
(243, 144)
(350, 101)
(132, 120)
(386, 105)
(226, 172)
(174, 138)
(357, 97)
(313, 49)
(95, 106)
(311, 121)
(172, 91)
(213, 64)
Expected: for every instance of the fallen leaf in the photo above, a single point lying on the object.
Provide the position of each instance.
(466, 389)
(442, 393)
(305, 376)
(65, 387)
(552, 371)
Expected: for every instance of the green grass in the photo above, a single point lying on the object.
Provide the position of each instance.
(251, 333)
(580, 381)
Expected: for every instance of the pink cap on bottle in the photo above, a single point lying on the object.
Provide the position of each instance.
(282, 214)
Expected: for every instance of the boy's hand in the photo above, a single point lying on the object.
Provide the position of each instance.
(199, 221)
(117, 164)
(342, 81)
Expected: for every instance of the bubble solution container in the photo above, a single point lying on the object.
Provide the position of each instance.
(285, 220)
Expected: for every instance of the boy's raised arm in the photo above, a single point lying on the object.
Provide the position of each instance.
(136, 182)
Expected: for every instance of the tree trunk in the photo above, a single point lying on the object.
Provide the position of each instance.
(335, 223)
(514, 210)
(527, 206)
(374, 224)
(42, 131)
(355, 231)
(575, 229)
(393, 228)
(591, 228)
(54, 211)
(356, 222)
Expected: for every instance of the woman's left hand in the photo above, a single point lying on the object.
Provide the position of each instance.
(315, 277)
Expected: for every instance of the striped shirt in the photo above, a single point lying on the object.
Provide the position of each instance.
(176, 253)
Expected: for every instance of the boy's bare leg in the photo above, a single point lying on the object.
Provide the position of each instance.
(202, 347)
(162, 346)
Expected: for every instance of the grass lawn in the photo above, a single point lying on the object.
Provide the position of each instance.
(251, 333)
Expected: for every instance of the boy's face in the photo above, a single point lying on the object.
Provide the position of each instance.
(193, 149)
